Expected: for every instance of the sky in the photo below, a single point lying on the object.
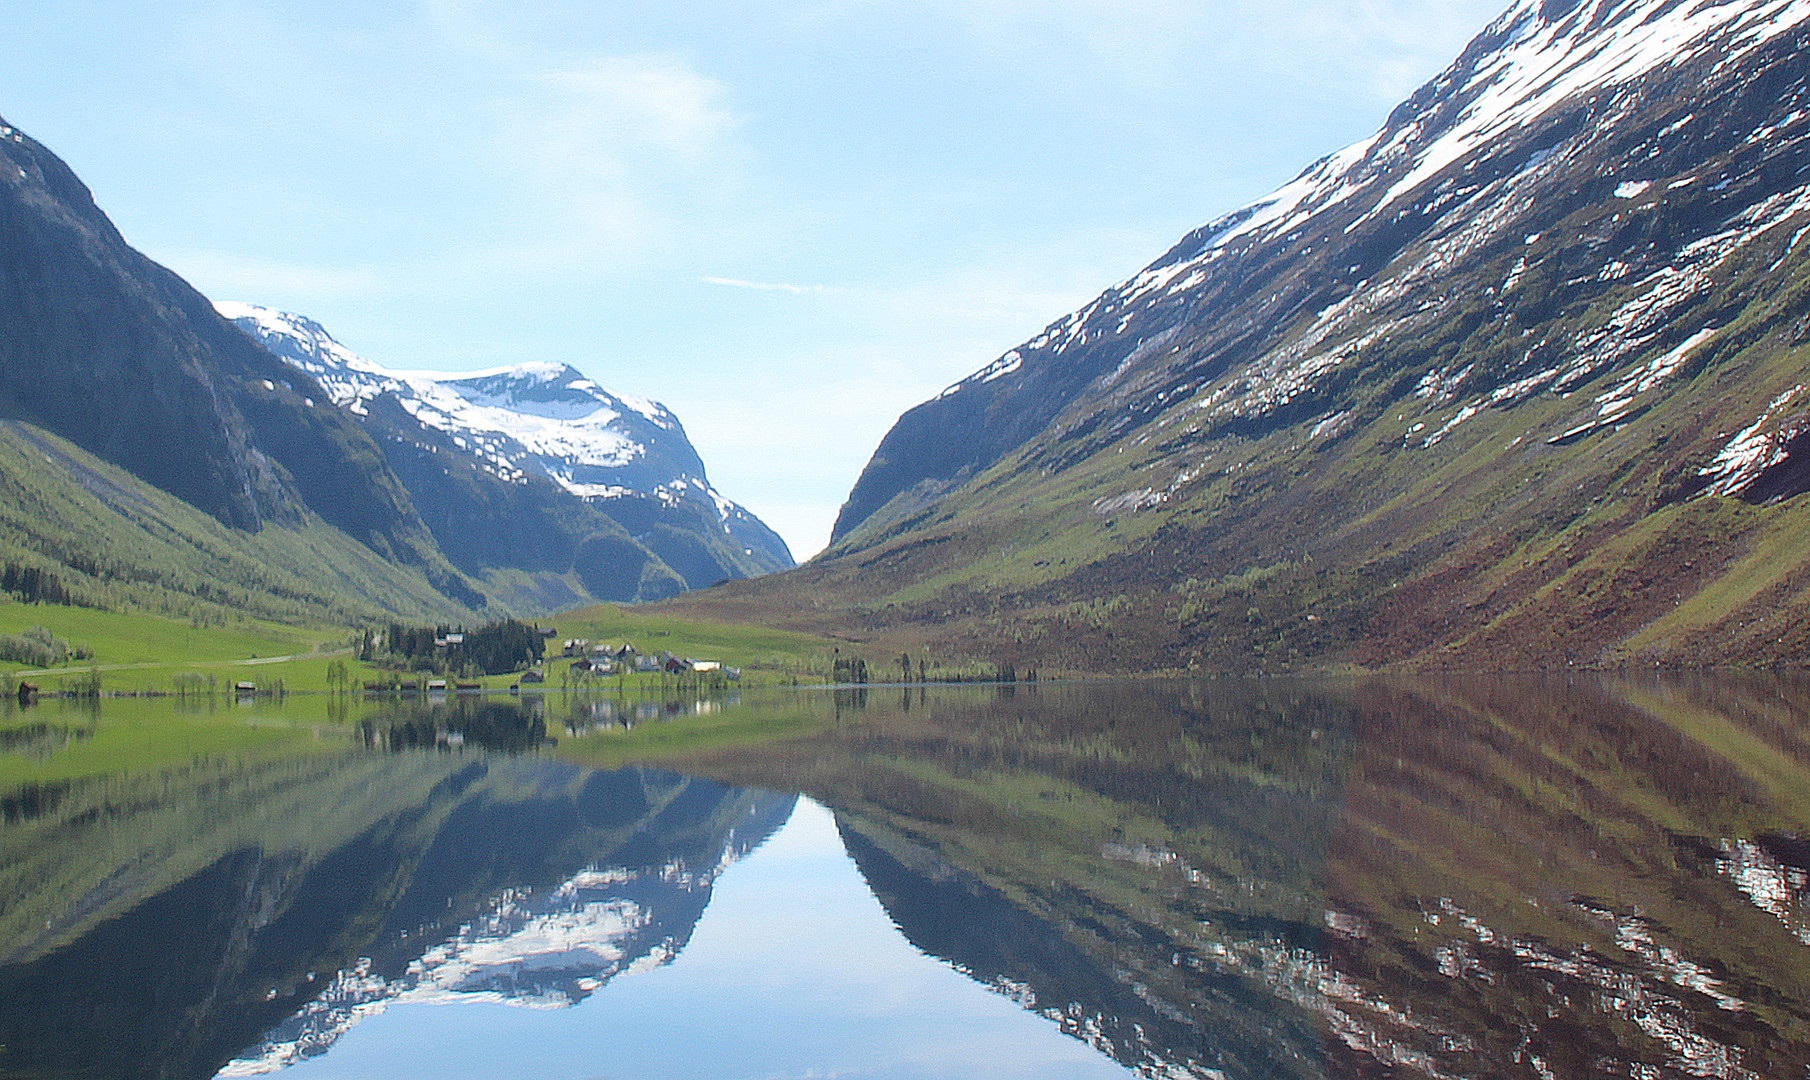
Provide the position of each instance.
(788, 221)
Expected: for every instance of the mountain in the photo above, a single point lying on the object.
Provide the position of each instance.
(108, 349)
(126, 399)
(114, 541)
(570, 477)
(1517, 380)
(108, 360)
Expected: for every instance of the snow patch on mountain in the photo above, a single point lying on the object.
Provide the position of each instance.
(547, 950)
(1535, 63)
(539, 418)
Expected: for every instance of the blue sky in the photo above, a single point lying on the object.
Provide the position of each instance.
(788, 221)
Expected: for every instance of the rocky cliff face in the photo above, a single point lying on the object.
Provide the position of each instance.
(117, 354)
(1669, 133)
(1517, 378)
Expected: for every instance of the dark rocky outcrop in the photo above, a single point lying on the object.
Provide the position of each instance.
(114, 352)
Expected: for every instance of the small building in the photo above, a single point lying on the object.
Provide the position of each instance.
(583, 664)
(532, 676)
(648, 663)
(706, 665)
(434, 685)
(677, 665)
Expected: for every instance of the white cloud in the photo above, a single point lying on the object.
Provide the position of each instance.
(617, 153)
(770, 286)
(621, 107)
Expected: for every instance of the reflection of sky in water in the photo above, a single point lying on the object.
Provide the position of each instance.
(794, 970)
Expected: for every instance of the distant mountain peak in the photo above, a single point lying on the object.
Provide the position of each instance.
(542, 416)
(546, 420)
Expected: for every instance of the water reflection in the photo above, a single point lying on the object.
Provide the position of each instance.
(587, 714)
(1495, 877)
(161, 925)
(506, 726)
(1459, 877)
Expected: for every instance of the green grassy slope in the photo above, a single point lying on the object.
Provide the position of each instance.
(1388, 516)
(119, 543)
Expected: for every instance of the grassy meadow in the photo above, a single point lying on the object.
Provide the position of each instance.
(141, 652)
(764, 655)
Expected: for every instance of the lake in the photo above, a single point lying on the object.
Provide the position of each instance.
(1537, 877)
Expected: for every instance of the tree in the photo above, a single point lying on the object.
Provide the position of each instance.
(339, 678)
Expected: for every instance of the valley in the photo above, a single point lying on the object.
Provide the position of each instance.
(1516, 382)
(1368, 641)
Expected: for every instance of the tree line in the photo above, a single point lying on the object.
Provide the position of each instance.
(33, 585)
(495, 648)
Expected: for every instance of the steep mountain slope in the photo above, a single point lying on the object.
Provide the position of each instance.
(114, 541)
(536, 468)
(1517, 380)
(105, 347)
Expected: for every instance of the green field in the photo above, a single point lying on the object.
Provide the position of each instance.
(60, 742)
(138, 652)
(143, 652)
(763, 655)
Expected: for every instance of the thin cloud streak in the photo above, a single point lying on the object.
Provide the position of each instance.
(772, 286)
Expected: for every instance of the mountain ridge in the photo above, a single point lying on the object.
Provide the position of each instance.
(1464, 393)
(1451, 106)
(546, 453)
(103, 347)
(82, 313)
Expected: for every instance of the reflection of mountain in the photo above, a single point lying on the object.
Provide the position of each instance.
(1459, 878)
(955, 917)
(546, 948)
(412, 874)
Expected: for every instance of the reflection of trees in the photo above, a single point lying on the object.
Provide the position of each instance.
(507, 726)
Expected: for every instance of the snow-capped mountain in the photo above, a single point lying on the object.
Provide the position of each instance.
(102, 346)
(543, 419)
(1560, 289)
(547, 949)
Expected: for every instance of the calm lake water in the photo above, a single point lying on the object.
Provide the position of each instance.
(1505, 877)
